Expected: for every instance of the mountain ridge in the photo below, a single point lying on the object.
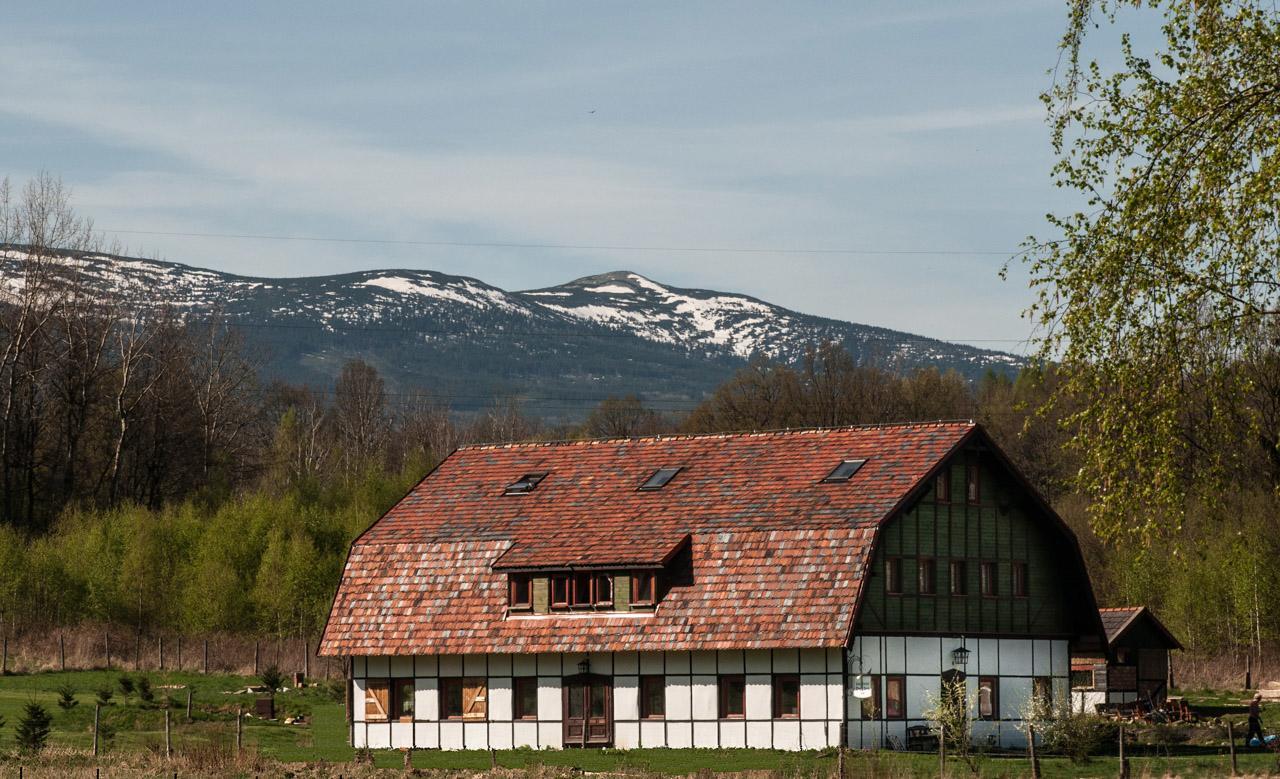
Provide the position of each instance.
(611, 333)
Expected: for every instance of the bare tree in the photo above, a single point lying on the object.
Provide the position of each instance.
(359, 410)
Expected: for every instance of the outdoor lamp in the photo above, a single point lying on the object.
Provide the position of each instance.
(960, 656)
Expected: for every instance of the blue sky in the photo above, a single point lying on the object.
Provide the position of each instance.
(872, 125)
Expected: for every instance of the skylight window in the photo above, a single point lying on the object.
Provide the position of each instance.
(844, 471)
(526, 483)
(660, 478)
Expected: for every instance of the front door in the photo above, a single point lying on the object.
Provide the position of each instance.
(588, 711)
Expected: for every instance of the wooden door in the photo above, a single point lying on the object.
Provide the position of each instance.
(588, 711)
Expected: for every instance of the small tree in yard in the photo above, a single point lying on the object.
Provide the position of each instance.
(1074, 734)
(950, 718)
(104, 695)
(144, 689)
(272, 679)
(126, 686)
(33, 728)
(67, 697)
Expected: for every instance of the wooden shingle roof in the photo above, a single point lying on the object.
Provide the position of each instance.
(778, 555)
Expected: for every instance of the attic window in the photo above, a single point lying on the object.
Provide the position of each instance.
(844, 471)
(660, 478)
(526, 483)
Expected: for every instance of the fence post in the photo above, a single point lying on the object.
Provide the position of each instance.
(1231, 745)
(942, 750)
(160, 649)
(1031, 746)
(188, 703)
(168, 742)
(62, 651)
(239, 729)
(4, 644)
(97, 710)
(206, 655)
(1248, 672)
(106, 646)
(306, 659)
(255, 657)
(179, 651)
(1124, 761)
(137, 651)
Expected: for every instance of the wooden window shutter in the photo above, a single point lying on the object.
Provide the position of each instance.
(377, 699)
(475, 699)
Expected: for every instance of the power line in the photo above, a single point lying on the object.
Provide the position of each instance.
(571, 246)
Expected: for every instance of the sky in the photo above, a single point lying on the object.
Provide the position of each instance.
(652, 137)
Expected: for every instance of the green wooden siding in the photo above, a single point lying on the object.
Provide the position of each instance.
(1003, 527)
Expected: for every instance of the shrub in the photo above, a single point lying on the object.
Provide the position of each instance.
(33, 729)
(126, 685)
(272, 679)
(1076, 735)
(144, 689)
(67, 697)
(104, 695)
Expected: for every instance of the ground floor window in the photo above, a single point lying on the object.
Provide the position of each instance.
(895, 697)
(388, 699)
(653, 697)
(870, 706)
(526, 697)
(733, 696)
(988, 697)
(786, 696)
(464, 698)
(1042, 691)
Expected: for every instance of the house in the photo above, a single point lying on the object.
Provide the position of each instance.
(787, 590)
(1136, 666)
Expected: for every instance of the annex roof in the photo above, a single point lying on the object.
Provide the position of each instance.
(1119, 620)
(778, 554)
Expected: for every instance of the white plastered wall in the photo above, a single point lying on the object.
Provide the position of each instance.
(691, 700)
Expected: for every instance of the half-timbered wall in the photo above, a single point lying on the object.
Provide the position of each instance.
(999, 528)
(1015, 664)
(691, 718)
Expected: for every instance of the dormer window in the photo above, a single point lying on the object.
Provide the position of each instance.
(844, 471)
(524, 484)
(659, 479)
(521, 591)
(644, 588)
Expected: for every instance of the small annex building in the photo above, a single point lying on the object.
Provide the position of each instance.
(786, 590)
(1136, 666)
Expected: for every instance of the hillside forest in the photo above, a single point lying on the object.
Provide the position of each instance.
(150, 479)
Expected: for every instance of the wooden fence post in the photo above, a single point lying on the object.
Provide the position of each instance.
(1248, 672)
(137, 651)
(179, 652)
(160, 649)
(255, 657)
(106, 646)
(1124, 761)
(1231, 745)
(942, 750)
(206, 655)
(306, 659)
(168, 742)
(62, 651)
(1031, 746)
(188, 704)
(97, 710)
(239, 729)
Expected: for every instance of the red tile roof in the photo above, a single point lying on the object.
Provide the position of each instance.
(778, 556)
(1117, 620)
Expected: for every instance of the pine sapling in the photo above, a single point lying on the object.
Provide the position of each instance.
(145, 694)
(33, 729)
(126, 685)
(67, 697)
(104, 695)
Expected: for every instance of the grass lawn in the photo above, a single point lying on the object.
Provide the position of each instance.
(138, 727)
